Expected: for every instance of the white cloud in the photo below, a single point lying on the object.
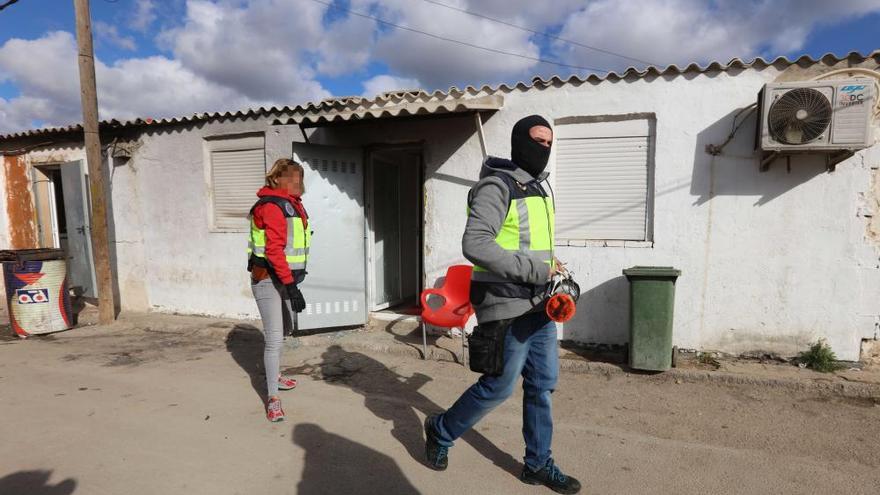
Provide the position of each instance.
(141, 87)
(438, 63)
(345, 46)
(110, 34)
(684, 31)
(526, 13)
(226, 56)
(385, 82)
(144, 15)
(29, 63)
(24, 112)
(230, 54)
(256, 48)
(161, 87)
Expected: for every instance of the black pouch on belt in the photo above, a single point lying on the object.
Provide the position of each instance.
(486, 347)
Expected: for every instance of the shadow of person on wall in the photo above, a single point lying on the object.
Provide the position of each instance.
(601, 322)
(245, 343)
(395, 398)
(35, 483)
(336, 465)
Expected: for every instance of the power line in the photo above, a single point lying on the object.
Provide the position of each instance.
(451, 40)
(539, 33)
(7, 4)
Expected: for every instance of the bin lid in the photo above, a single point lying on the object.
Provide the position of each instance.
(20, 255)
(652, 271)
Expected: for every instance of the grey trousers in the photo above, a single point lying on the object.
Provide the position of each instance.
(277, 315)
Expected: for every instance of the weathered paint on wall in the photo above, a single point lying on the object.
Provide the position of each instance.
(125, 228)
(161, 209)
(771, 261)
(20, 213)
(873, 208)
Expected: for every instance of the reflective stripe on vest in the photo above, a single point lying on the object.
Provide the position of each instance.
(296, 249)
(528, 228)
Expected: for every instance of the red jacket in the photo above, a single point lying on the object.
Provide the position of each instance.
(270, 218)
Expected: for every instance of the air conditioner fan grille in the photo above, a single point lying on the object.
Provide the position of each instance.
(799, 116)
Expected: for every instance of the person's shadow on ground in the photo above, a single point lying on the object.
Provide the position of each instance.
(336, 465)
(396, 398)
(245, 343)
(34, 483)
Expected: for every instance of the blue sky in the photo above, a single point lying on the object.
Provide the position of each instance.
(174, 57)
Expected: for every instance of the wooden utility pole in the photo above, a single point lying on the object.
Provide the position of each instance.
(88, 92)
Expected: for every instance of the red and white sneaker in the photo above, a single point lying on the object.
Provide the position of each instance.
(274, 413)
(285, 383)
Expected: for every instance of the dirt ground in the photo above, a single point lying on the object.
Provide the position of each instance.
(144, 408)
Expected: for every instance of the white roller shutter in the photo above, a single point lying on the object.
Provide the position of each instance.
(602, 181)
(236, 175)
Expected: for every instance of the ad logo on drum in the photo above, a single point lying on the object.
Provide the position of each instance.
(32, 296)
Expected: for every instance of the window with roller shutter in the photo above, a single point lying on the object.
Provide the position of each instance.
(603, 174)
(237, 170)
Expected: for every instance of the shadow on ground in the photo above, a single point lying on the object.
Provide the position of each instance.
(611, 354)
(395, 398)
(405, 333)
(35, 483)
(334, 464)
(245, 344)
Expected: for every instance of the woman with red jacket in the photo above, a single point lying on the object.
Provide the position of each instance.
(278, 252)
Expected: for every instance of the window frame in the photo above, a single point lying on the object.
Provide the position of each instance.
(228, 142)
(651, 120)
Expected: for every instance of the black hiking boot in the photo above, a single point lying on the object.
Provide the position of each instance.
(552, 478)
(437, 455)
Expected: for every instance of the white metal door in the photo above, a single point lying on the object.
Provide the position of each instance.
(74, 184)
(335, 289)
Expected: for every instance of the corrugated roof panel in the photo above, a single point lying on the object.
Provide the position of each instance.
(367, 108)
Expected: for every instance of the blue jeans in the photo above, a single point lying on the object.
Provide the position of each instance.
(530, 350)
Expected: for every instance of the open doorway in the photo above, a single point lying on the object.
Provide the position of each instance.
(49, 196)
(63, 205)
(394, 228)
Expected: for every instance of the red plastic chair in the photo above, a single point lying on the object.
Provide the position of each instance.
(456, 309)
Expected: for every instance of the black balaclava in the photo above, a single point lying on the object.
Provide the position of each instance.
(524, 151)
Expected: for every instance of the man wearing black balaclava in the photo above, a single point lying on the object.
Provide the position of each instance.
(509, 239)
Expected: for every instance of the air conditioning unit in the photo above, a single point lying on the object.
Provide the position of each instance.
(831, 115)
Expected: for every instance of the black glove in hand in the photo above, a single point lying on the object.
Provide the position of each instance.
(297, 302)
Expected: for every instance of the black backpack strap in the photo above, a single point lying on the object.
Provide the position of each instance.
(286, 207)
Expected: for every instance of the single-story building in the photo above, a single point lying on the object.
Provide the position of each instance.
(649, 167)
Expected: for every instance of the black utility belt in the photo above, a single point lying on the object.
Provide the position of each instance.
(486, 347)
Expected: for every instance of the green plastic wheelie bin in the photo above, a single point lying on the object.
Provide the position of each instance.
(652, 299)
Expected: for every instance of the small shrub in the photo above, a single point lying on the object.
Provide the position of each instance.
(708, 359)
(820, 357)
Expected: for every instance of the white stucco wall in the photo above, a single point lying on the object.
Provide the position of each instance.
(188, 268)
(771, 261)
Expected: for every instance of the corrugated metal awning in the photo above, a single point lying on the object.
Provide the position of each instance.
(394, 107)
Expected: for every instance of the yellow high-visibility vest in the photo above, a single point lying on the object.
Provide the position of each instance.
(299, 238)
(528, 228)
